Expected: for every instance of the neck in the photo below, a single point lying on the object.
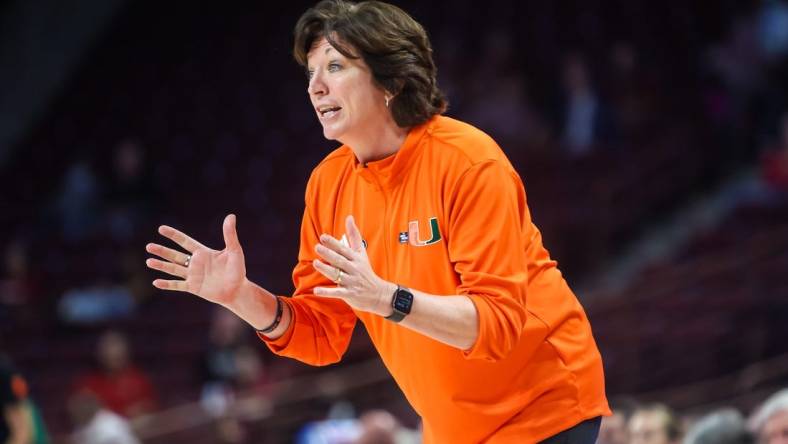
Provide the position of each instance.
(377, 141)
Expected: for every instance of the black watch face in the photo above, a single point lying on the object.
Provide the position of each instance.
(403, 301)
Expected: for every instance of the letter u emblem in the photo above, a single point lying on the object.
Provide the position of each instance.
(413, 233)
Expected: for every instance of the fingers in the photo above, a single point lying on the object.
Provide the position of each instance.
(331, 273)
(354, 234)
(167, 267)
(330, 242)
(230, 232)
(180, 238)
(333, 258)
(331, 292)
(166, 253)
(170, 285)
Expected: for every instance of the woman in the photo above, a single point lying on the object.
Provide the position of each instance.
(417, 226)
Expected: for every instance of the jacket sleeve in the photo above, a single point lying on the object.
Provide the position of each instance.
(321, 328)
(487, 221)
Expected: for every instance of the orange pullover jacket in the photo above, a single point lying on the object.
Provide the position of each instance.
(447, 215)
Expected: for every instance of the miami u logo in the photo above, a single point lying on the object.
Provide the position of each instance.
(413, 233)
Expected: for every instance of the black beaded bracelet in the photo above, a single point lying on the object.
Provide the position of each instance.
(277, 318)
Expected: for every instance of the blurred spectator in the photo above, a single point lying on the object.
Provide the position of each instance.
(583, 120)
(381, 427)
(17, 285)
(774, 163)
(653, 424)
(77, 202)
(339, 426)
(130, 190)
(117, 383)
(498, 52)
(613, 429)
(230, 430)
(378, 427)
(220, 363)
(723, 427)
(770, 421)
(373, 427)
(136, 277)
(503, 111)
(329, 431)
(631, 91)
(624, 61)
(16, 425)
(251, 373)
(102, 301)
(17, 409)
(501, 108)
(773, 28)
(94, 424)
(738, 60)
(252, 384)
(225, 338)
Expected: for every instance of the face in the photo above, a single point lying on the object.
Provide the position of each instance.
(648, 427)
(613, 430)
(113, 351)
(575, 73)
(775, 431)
(343, 93)
(128, 159)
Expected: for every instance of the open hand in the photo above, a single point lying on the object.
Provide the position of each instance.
(211, 274)
(350, 269)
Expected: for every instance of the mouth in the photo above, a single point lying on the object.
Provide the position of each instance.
(328, 111)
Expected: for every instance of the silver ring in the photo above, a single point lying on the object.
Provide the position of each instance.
(339, 277)
(187, 261)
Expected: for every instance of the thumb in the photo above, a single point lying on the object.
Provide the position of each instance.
(354, 235)
(230, 233)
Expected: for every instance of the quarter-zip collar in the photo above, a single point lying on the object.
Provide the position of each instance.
(388, 171)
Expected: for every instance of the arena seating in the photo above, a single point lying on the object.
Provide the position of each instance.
(226, 126)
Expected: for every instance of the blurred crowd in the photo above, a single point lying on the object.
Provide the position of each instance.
(73, 285)
(86, 208)
(104, 403)
(656, 423)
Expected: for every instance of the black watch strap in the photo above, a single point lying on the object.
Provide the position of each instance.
(396, 316)
(401, 302)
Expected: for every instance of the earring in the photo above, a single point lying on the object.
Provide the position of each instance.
(387, 101)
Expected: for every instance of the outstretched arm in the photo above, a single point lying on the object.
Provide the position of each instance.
(19, 422)
(218, 276)
(313, 330)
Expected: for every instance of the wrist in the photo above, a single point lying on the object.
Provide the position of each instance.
(386, 296)
(277, 318)
(253, 304)
(236, 301)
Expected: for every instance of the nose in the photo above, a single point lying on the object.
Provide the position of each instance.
(316, 85)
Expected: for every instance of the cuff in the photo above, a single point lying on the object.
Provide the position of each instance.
(280, 343)
(489, 345)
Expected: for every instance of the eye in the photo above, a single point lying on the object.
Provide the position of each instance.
(334, 66)
(309, 74)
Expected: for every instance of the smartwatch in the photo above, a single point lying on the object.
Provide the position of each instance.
(401, 303)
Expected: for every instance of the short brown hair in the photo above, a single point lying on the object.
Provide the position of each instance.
(394, 46)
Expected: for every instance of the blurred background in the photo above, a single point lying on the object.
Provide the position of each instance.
(652, 138)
